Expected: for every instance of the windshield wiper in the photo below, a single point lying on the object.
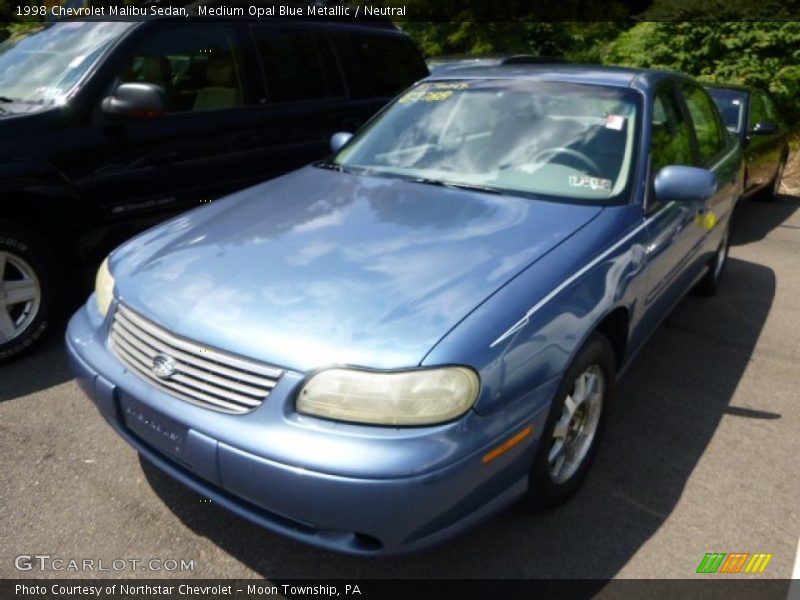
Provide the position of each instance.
(6, 99)
(326, 164)
(474, 187)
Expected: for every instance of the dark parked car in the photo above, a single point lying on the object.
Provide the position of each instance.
(754, 117)
(447, 62)
(432, 324)
(109, 127)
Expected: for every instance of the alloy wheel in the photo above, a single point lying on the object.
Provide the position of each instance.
(575, 430)
(20, 296)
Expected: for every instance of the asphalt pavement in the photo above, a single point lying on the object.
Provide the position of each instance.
(700, 455)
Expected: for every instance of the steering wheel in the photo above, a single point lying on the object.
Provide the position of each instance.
(569, 151)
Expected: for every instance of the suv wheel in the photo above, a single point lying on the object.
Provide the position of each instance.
(28, 290)
(574, 427)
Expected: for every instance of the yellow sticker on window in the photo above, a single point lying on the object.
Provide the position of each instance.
(436, 92)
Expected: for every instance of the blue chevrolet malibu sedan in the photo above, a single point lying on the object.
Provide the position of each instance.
(373, 353)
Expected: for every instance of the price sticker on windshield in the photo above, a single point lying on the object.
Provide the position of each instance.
(594, 183)
(615, 122)
(435, 93)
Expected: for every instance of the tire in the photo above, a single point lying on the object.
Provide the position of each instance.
(576, 431)
(709, 284)
(29, 290)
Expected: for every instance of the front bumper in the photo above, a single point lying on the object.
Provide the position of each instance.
(350, 488)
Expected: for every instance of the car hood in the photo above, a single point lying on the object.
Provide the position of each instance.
(320, 267)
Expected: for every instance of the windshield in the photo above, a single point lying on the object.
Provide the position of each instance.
(557, 139)
(43, 65)
(731, 106)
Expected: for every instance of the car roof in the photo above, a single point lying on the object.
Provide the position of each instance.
(497, 57)
(589, 74)
(730, 86)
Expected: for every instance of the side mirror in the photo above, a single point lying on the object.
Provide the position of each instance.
(764, 128)
(136, 100)
(677, 183)
(339, 139)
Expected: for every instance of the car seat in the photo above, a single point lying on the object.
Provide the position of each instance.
(156, 70)
(221, 90)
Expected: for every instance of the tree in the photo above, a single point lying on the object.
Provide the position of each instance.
(762, 54)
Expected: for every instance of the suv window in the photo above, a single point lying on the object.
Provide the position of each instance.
(198, 67)
(297, 65)
(671, 143)
(711, 135)
(390, 63)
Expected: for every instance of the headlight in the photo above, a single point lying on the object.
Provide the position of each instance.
(419, 397)
(104, 287)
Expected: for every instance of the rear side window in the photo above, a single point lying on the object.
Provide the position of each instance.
(671, 142)
(390, 63)
(710, 133)
(298, 65)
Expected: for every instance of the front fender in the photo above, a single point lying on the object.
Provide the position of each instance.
(529, 331)
(26, 178)
(37, 196)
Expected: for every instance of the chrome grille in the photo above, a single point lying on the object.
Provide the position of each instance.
(203, 376)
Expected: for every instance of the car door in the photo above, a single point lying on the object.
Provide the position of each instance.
(144, 169)
(717, 151)
(685, 130)
(671, 229)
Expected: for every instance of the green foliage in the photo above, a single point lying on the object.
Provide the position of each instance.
(10, 23)
(765, 55)
(568, 28)
(545, 39)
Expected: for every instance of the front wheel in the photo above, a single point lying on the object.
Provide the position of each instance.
(574, 427)
(28, 290)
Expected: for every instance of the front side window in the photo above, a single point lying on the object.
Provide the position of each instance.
(298, 65)
(546, 138)
(198, 67)
(670, 140)
(710, 135)
(44, 65)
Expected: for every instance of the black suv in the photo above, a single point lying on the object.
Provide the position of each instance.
(107, 127)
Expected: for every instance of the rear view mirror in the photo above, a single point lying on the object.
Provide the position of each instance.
(764, 128)
(339, 139)
(678, 183)
(136, 100)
